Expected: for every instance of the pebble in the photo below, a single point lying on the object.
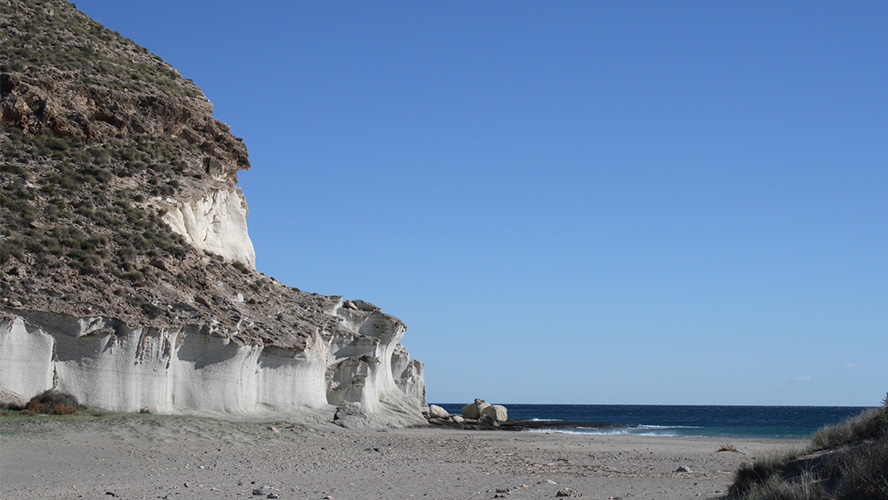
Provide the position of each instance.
(568, 493)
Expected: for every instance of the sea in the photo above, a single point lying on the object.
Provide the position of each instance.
(768, 422)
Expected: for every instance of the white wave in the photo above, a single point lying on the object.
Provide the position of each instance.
(643, 426)
(604, 432)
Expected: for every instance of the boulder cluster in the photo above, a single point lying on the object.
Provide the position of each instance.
(476, 413)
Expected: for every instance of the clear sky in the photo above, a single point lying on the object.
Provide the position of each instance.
(574, 201)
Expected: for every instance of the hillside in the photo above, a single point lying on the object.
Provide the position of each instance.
(845, 461)
(120, 213)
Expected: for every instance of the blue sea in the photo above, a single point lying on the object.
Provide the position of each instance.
(771, 422)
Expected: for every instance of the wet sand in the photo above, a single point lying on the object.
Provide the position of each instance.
(175, 457)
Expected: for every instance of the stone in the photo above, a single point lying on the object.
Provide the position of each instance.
(481, 407)
(682, 469)
(262, 491)
(470, 411)
(351, 415)
(473, 410)
(568, 493)
(496, 412)
(458, 419)
(274, 429)
(436, 411)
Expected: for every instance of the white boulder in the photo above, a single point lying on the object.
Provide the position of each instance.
(471, 410)
(436, 411)
(497, 413)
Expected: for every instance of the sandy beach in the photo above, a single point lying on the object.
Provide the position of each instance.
(177, 457)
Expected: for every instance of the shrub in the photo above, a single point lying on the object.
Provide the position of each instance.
(53, 402)
(63, 409)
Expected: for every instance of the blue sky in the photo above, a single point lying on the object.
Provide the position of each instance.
(578, 202)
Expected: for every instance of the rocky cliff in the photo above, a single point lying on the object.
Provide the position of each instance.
(126, 272)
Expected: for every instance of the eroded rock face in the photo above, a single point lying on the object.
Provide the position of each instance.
(106, 364)
(215, 222)
(126, 271)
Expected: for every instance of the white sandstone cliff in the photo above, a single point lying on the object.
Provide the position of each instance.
(215, 222)
(97, 296)
(195, 370)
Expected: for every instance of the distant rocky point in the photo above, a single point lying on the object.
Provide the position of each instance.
(126, 271)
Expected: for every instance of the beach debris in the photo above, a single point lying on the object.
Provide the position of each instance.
(568, 493)
(274, 429)
(546, 481)
(682, 469)
(728, 447)
(111, 494)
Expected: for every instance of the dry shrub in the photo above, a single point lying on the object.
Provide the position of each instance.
(63, 409)
(34, 406)
(53, 402)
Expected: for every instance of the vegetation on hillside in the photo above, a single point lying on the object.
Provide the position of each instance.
(99, 139)
(45, 33)
(845, 461)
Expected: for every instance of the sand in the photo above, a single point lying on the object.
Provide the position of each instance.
(175, 457)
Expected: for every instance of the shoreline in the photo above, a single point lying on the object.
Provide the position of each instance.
(162, 456)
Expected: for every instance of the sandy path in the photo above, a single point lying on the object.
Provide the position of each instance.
(151, 457)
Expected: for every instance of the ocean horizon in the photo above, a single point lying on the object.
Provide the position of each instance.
(728, 421)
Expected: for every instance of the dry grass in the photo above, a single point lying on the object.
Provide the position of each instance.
(845, 461)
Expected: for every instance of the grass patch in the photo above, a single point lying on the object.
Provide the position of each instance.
(844, 461)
